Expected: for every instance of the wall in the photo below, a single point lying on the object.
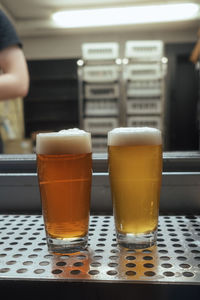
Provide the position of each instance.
(69, 45)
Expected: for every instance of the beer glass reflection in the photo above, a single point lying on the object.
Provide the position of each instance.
(64, 163)
(135, 170)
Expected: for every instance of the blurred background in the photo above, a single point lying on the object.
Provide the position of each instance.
(99, 64)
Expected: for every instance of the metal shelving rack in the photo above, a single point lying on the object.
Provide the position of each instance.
(99, 75)
(144, 78)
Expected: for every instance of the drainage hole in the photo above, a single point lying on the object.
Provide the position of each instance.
(163, 251)
(165, 258)
(99, 250)
(61, 263)
(188, 274)
(113, 257)
(81, 257)
(148, 265)
(197, 257)
(100, 245)
(195, 251)
(17, 255)
(112, 265)
(4, 270)
(112, 272)
(179, 251)
(3, 254)
(182, 258)
(44, 263)
(95, 264)
(159, 240)
(131, 251)
(161, 245)
(114, 251)
(33, 256)
(22, 249)
(97, 257)
(149, 273)
(27, 263)
(130, 257)
(11, 262)
(177, 245)
(75, 272)
(78, 264)
(189, 240)
(147, 257)
(131, 273)
(168, 274)
(166, 265)
(146, 251)
(8, 249)
(93, 272)
(192, 245)
(185, 266)
(22, 270)
(37, 249)
(130, 265)
(39, 271)
(57, 271)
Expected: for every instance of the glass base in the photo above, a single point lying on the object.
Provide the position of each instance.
(137, 241)
(67, 245)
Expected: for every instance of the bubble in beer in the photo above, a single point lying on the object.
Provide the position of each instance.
(69, 141)
(134, 136)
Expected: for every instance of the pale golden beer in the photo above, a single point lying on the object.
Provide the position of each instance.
(135, 168)
(64, 163)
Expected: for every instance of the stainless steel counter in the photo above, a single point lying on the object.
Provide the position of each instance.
(105, 270)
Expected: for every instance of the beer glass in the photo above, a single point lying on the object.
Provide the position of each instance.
(135, 171)
(64, 165)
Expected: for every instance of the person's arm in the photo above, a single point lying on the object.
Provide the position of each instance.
(196, 51)
(14, 81)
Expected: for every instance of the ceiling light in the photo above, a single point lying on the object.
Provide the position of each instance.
(126, 15)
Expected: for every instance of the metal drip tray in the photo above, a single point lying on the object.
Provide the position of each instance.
(175, 259)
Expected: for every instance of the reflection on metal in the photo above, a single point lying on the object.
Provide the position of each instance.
(176, 258)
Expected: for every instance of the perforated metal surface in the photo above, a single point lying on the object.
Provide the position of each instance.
(176, 258)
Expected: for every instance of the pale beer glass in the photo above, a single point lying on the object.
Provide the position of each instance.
(135, 171)
(64, 165)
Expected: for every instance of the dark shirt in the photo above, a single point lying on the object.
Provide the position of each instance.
(8, 35)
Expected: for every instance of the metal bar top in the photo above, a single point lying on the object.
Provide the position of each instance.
(175, 259)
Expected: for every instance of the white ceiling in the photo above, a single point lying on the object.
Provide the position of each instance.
(33, 17)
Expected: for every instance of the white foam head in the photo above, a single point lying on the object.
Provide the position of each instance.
(71, 141)
(134, 136)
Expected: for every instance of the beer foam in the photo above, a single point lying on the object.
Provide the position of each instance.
(70, 141)
(134, 136)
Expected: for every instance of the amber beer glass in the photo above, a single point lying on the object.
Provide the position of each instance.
(64, 164)
(135, 171)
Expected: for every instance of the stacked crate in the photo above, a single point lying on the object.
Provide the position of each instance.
(99, 91)
(144, 78)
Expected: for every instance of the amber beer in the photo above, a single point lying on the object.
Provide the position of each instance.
(135, 168)
(64, 173)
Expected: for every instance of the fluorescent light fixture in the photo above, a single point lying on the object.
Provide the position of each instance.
(126, 15)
